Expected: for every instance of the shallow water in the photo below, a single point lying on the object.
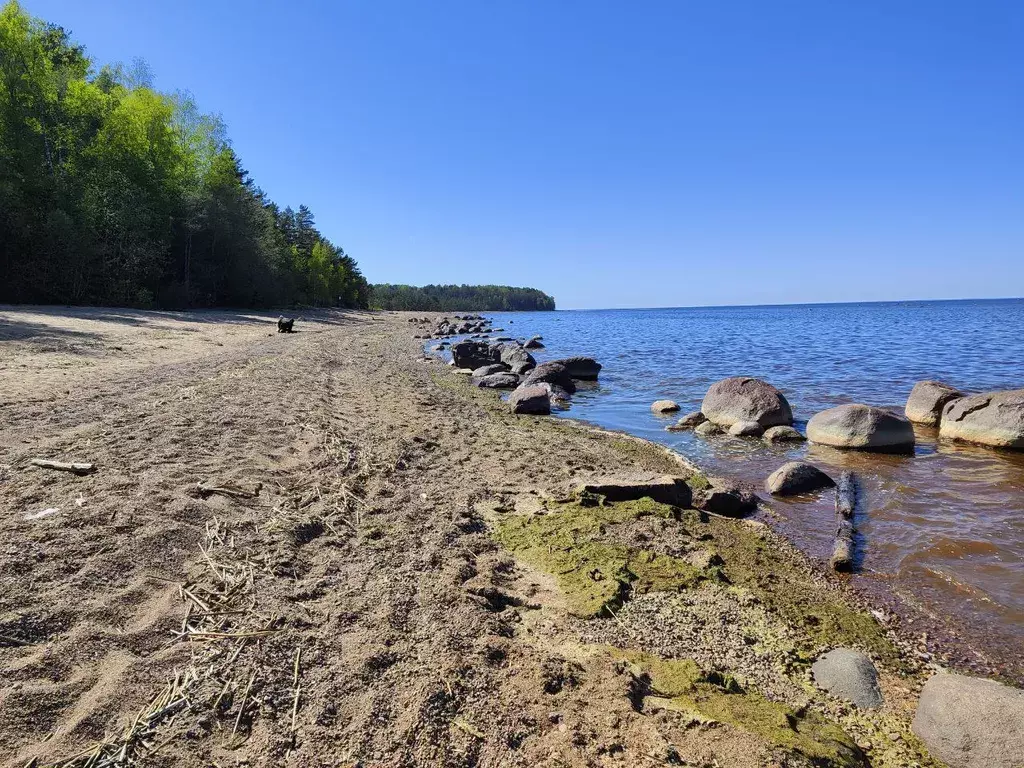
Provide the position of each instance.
(944, 527)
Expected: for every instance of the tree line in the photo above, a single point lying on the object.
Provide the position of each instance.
(114, 193)
(452, 298)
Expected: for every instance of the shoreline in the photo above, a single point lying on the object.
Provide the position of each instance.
(389, 606)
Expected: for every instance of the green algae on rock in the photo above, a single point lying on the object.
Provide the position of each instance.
(718, 697)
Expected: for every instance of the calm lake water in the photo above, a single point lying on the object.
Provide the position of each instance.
(943, 528)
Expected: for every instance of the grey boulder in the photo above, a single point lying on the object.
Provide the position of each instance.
(862, 427)
(530, 399)
(926, 401)
(850, 675)
(797, 477)
(782, 434)
(742, 398)
(497, 381)
(472, 355)
(708, 429)
(971, 723)
(553, 372)
(992, 418)
(487, 370)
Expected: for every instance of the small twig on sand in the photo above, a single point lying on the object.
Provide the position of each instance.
(77, 467)
(241, 704)
(229, 491)
(297, 690)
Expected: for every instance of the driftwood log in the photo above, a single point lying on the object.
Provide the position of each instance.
(846, 502)
(78, 467)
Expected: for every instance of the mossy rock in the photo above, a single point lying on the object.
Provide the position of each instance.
(718, 697)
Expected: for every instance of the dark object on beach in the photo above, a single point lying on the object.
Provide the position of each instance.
(846, 501)
(77, 467)
(665, 489)
(728, 501)
(472, 354)
(284, 324)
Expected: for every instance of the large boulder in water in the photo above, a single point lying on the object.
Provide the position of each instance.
(553, 372)
(512, 354)
(863, 427)
(582, 368)
(530, 398)
(968, 722)
(472, 355)
(992, 418)
(742, 398)
(926, 401)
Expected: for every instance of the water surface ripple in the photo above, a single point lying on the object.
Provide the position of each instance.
(945, 527)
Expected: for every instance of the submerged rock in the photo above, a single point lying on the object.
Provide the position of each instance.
(664, 406)
(534, 343)
(926, 401)
(746, 429)
(666, 489)
(992, 418)
(971, 723)
(742, 398)
(862, 427)
(850, 675)
(797, 477)
(708, 429)
(690, 421)
(531, 399)
(782, 434)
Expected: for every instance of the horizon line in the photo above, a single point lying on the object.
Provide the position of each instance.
(779, 304)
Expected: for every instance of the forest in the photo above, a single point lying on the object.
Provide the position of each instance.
(114, 193)
(452, 298)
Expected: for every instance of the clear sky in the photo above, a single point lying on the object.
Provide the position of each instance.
(615, 153)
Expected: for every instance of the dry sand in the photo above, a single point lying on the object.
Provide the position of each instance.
(356, 612)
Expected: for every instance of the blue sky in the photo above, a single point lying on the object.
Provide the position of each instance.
(619, 154)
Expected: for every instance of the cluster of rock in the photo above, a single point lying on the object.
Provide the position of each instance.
(748, 407)
(990, 418)
(507, 364)
(458, 325)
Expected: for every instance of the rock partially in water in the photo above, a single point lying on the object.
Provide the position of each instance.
(582, 368)
(746, 429)
(534, 343)
(664, 406)
(665, 489)
(511, 353)
(472, 355)
(782, 434)
(530, 399)
(523, 367)
(850, 675)
(992, 418)
(742, 398)
(727, 500)
(927, 400)
(689, 421)
(708, 429)
(862, 427)
(971, 723)
(553, 372)
(487, 370)
(496, 381)
(797, 477)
